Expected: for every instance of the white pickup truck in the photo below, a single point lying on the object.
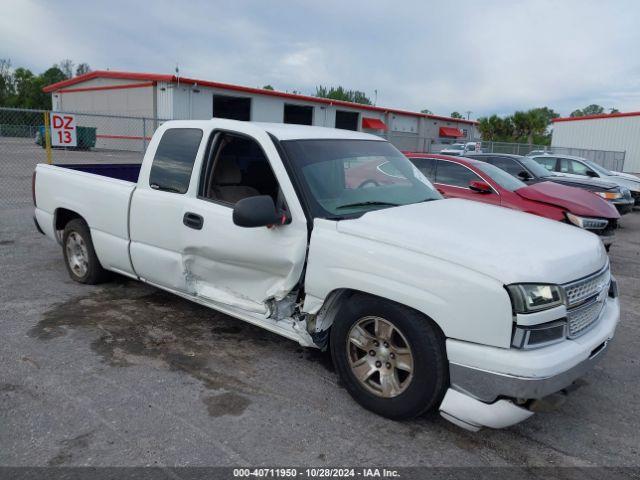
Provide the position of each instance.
(333, 239)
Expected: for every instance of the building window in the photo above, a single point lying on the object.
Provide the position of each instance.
(347, 120)
(235, 108)
(298, 114)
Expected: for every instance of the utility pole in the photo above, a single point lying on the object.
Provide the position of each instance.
(468, 112)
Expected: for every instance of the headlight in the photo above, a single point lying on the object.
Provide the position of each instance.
(610, 195)
(539, 335)
(586, 222)
(530, 297)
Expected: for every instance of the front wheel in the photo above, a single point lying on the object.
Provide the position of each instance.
(391, 359)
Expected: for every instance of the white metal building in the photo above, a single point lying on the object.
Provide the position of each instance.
(167, 97)
(617, 132)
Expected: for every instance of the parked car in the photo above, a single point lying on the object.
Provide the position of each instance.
(424, 303)
(580, 167)
(462, 149)
(531, 172)
(459, 177)
(537, 152)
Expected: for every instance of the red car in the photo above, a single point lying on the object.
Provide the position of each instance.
(460, 177)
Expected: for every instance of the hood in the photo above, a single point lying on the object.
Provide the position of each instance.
(575, 200)
(627, 175)
(507, 245)
(630, 183)
(594, 183)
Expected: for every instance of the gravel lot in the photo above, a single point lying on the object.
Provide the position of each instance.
(125, 374)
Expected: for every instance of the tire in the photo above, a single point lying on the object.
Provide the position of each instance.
(402, 394)
(80, 256)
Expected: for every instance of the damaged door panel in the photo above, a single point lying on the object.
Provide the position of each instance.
(241, 267)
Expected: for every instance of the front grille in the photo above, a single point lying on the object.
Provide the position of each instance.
(579, 291)
(636, 197)
(581, 318)
(585, 300)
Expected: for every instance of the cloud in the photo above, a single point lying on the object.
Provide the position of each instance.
(487, 57)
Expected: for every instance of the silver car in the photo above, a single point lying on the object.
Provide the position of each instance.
(581, 167)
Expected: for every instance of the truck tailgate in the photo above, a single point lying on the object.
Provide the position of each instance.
(103, 202)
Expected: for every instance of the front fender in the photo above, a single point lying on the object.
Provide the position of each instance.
(464, 303)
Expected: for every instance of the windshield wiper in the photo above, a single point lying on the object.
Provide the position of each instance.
(366, 204)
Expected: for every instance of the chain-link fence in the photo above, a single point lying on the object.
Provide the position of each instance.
(123, 139)
(100, 139)
(611, 160)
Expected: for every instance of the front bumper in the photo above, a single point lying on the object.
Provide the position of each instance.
(624, 206)
(486, 382)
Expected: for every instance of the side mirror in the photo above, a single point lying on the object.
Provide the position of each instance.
(524, 175)
(258, 211)
(591, 173)
(479, 187)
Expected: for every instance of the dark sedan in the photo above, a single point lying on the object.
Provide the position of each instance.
(531, 172)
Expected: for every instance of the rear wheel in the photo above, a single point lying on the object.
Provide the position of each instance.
(391, 359)
(79, 255)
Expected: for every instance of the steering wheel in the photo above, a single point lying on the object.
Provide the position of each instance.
(369, 183)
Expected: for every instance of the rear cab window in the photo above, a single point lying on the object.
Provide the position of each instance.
(173, 162)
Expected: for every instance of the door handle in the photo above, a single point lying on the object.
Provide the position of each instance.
(193, 220)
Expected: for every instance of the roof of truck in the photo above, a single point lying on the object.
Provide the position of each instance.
(287, 131)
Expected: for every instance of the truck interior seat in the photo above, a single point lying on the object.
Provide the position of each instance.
(228, 182)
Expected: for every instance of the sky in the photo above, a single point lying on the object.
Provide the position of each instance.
(489, 56)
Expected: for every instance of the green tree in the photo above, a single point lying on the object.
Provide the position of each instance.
(267, 87)
(496, 129)
(592, 109)
(82, 69)
(530, 123)
(426, 111)
(340, 93)
(456, 115)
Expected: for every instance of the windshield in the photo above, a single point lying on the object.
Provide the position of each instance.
(598, 168)
(455, 146)
(347, 178)
(535, 168)
(502, 178)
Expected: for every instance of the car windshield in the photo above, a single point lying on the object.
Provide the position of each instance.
(535, 168)
(347, 178)
(598, 168)
(502, 178)
(455, 146)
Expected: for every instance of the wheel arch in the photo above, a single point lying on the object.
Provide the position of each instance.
(336, 299)
(61, 217)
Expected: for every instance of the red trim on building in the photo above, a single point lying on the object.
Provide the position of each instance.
(594, 117)
(450, 132)
(108, 87)
(373, 124)
(238, 88)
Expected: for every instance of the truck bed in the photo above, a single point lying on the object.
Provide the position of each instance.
(128, 172)
(98, 193)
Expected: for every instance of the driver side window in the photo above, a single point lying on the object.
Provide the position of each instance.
(579, 168)
(454, 174)
(237, 168)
